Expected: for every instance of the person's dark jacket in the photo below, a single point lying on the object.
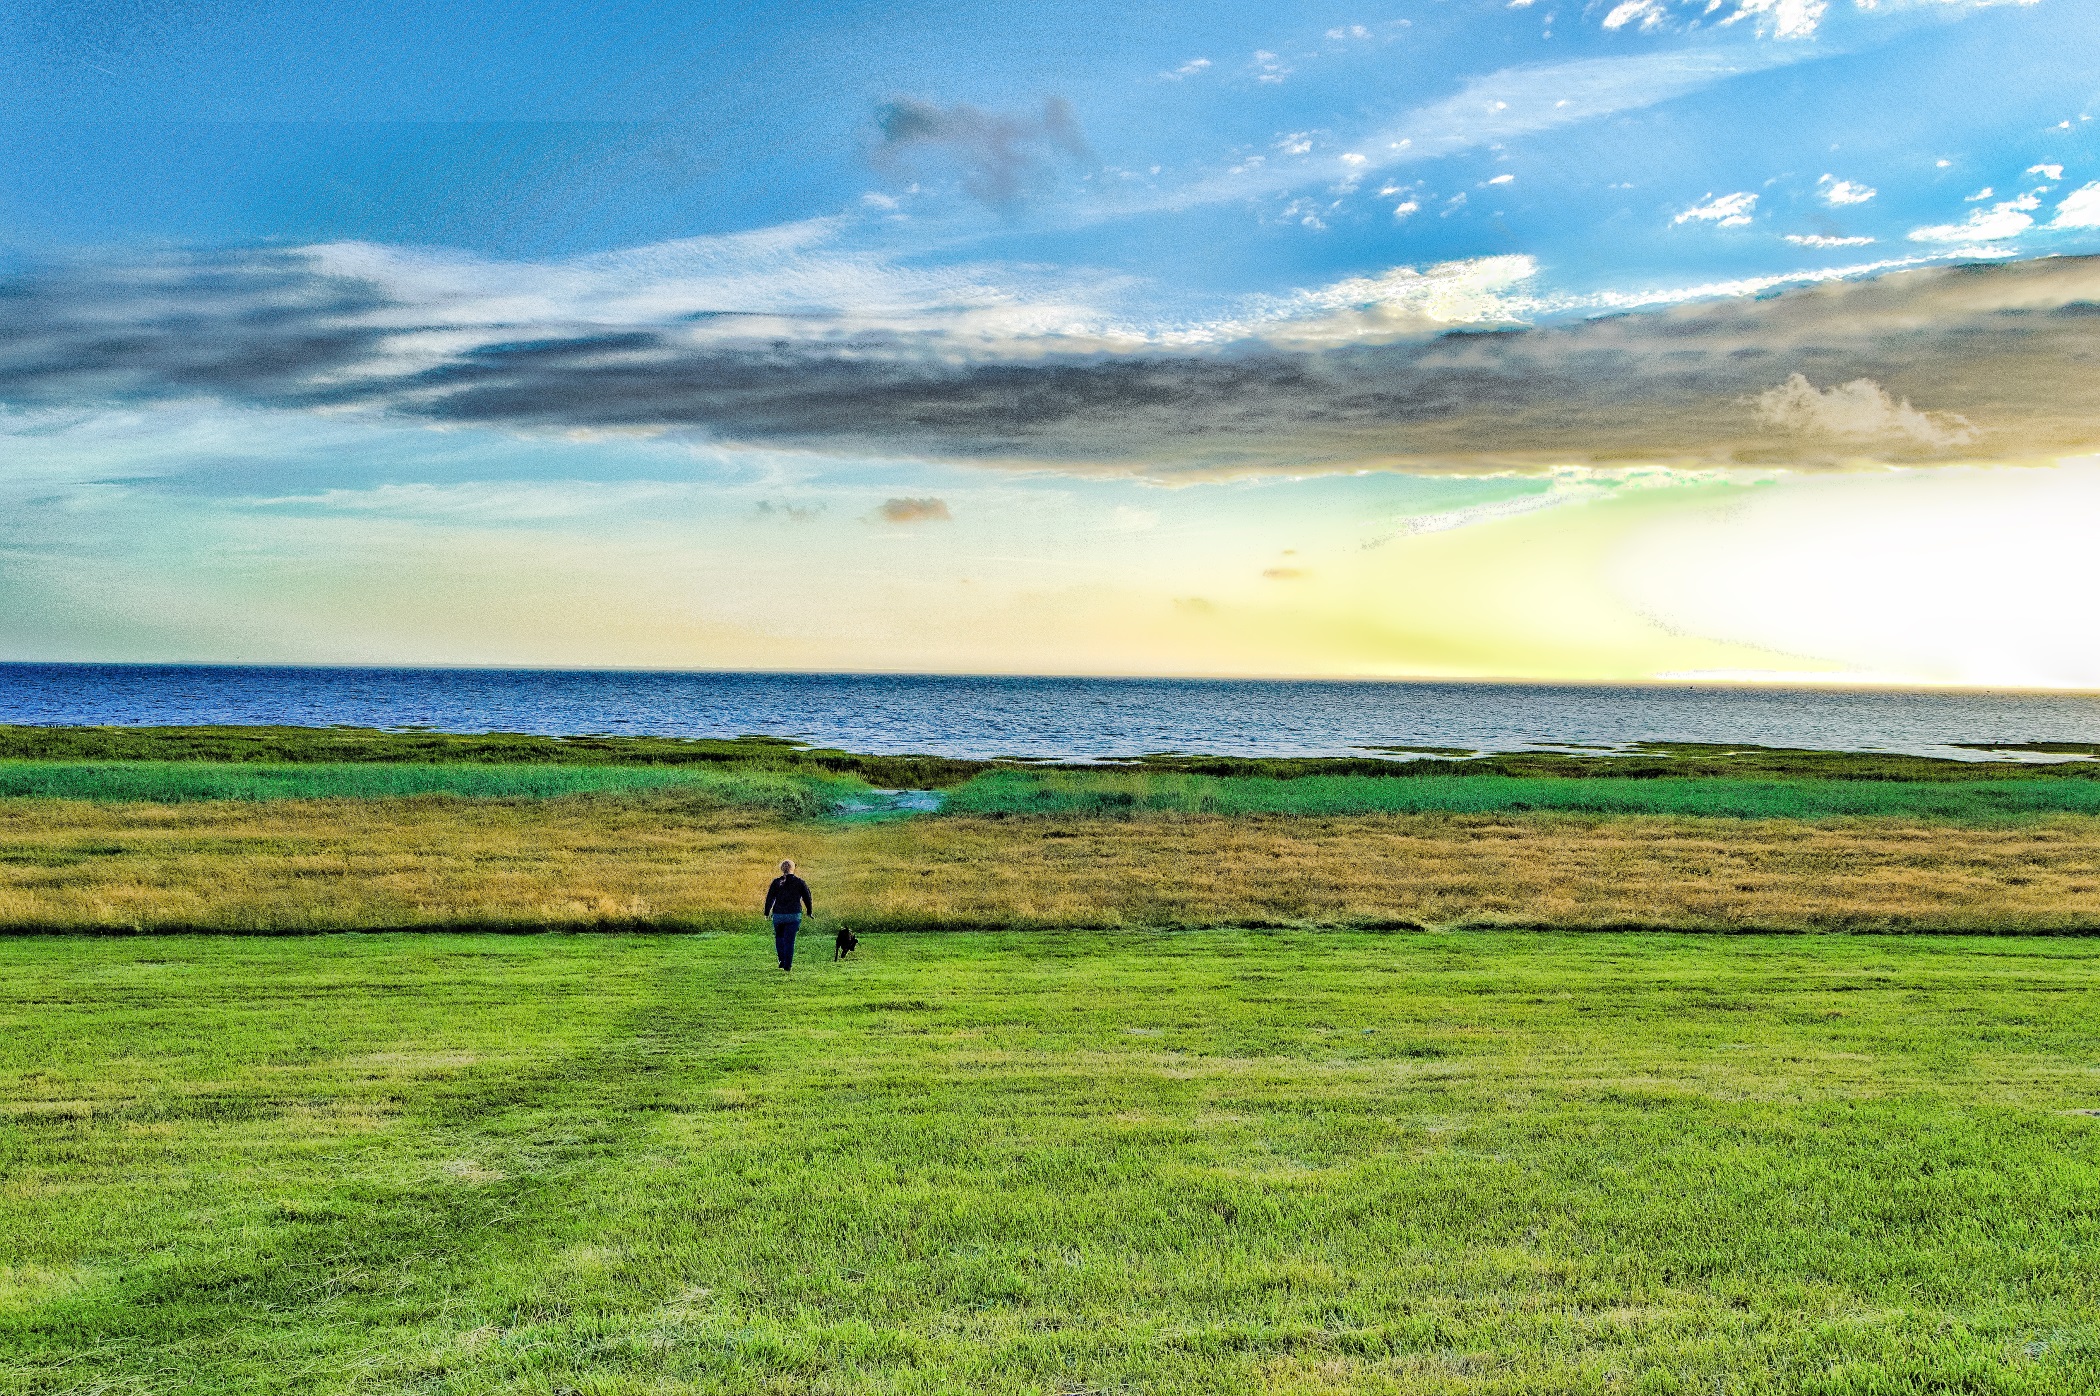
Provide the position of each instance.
(788, 896)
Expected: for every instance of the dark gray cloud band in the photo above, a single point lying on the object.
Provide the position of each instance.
(1980, 362)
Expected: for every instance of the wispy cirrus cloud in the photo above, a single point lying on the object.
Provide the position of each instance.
(1498, 107)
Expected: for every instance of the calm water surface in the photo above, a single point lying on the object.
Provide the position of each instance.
(1041, 717)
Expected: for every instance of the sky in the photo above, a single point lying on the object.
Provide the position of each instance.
(1727, 340)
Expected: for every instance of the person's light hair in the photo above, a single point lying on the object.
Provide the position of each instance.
(787, 865)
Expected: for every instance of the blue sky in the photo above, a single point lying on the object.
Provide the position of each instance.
(1394, 339)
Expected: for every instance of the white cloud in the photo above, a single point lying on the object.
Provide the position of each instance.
(1402, 210)
(1349, 31)
(1784, 19)
(1822, 240)
(1648, 13)
(1980, 195)
(1268, 67)
(1187, 70)
(1400, 303)
(1778, 19)
(1839, 192)
(2050, 172)
(1722, 210)
(1860, 410)
(2080, 208)
(1353, 160)
(1296, 143)
(1502, 179)
(2000, 220)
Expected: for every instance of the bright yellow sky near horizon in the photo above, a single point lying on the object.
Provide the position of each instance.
(1943, 575)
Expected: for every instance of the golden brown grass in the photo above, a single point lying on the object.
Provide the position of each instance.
(314, 865)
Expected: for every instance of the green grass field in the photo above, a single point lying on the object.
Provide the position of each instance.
(1212, 1161)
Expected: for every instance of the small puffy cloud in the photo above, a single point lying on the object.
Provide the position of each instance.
(1722, 210)
(1268, 67)
(1349, 31)
(1980, 195)
(1860, 410)
(2080, 208)
(1825, 240)
(1186, 70)
(1296, 143)
(1502, 179)
(1405, 208)
(1839, 192)
(1306, 213)
(910, 511)
(997, 157)
(2048, 172)
(2000, 220)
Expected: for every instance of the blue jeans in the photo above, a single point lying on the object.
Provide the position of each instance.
(784, 929)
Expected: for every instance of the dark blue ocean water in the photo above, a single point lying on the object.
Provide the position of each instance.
(1042, 717)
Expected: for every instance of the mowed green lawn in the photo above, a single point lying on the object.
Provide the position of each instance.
(1208, 1161)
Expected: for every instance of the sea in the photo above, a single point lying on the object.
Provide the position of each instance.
(1066, 719)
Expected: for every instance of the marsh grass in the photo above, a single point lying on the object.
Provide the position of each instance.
(1213, 1161)
(1119, 794)
(177, 782)
(1640, 761)
(278, 745)
(657, 861)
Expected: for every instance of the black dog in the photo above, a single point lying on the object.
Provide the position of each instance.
(843, 944)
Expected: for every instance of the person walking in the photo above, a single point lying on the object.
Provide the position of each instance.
(786, 900)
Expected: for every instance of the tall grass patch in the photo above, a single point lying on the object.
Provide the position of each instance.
(179, 782)
(1125, 794)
